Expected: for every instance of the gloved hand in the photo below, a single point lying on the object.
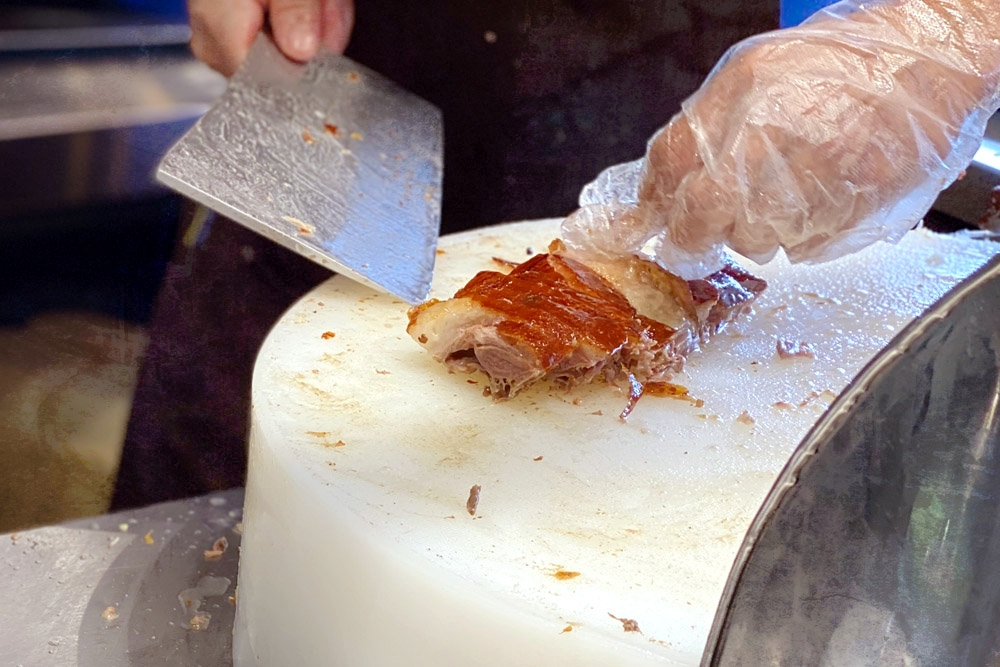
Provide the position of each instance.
(819, 139)
(223, 30)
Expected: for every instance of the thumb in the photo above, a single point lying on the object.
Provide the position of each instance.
(296, 27)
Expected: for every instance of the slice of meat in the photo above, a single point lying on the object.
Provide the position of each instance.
(572, 320)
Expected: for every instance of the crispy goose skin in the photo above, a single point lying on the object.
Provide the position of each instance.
(571, 320)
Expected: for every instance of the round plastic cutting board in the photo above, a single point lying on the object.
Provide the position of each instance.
(594, 542)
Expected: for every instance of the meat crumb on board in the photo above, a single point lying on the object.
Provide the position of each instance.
(787, 349)
(472, 504)
(217, 550)
(199, 621)
(628, 624)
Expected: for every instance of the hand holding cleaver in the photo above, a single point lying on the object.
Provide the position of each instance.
(327, 158)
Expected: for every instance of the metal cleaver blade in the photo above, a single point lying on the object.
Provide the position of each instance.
(327, 158)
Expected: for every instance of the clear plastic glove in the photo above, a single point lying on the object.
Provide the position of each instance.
(819, 139)
(223, 30)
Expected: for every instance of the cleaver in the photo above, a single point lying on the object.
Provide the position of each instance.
(327, 158)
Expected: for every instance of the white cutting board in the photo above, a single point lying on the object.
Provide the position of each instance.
(358, 548)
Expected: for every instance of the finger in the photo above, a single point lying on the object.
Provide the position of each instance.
(671, 155)
(296, 26)
(700, 214)
(337, 23)
(221, 33)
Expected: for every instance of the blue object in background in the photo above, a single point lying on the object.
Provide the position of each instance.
(794, 12)
(172, 10)
(167, 8)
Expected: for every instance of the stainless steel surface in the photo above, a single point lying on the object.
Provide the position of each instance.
(329, 159)
(61, 26)
(56, 96)
(91, 130)
(94, 37)
(122, 589)
(880, 540)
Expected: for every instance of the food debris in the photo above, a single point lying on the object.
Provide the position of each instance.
(490, 37)
(814, 395)
(14, 537)
(231, 600)
(671, 390)
(357, 136)
(822, 300)
(782, 405)
(306, 137)
(330, 129)
(339, 443)
(745, 418)
(991, 218)
(382, 372)
(598, 413)
(666, 389)
(564, 575)
(473, 502)
(787, 349)
(110, 614)
(219, 548)
(537, 458)
(238, 528)
(628, 624)
(327, 335)
(353, 77)
(304, 227)
(634, 394)
(568, 628)
(439, 252)
(506, 263)
(148, 538)
(123, 527)
(199, 621)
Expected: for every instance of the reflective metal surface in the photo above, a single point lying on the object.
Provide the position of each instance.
(90, 130)
(122, 590)
(880, 542)
(329, 159)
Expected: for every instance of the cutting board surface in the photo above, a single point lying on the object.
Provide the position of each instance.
(361, 440)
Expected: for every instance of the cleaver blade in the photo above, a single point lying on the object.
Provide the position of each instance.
(327, 158)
